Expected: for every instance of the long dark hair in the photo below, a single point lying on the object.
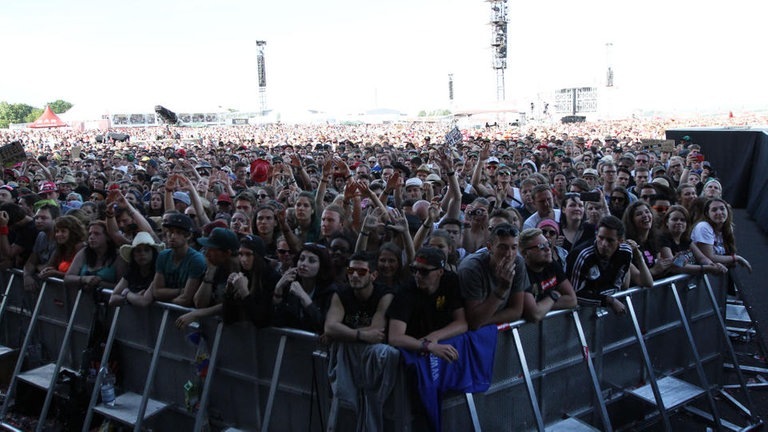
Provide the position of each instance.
(630, 228)
(729, 239)
(326, 275)
(90, 254)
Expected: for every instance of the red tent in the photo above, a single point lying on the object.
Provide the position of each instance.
(48, 120)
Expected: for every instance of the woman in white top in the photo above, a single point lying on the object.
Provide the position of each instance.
(713, 234)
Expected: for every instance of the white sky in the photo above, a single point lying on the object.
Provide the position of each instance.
(343, 55)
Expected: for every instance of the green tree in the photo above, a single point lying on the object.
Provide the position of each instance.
(59, 106)
(34, 115)
(13, 113)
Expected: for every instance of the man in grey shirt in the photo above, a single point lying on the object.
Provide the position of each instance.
(493, 280)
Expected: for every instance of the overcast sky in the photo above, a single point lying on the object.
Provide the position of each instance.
(345, 56)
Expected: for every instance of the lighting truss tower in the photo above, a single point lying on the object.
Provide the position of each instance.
(609, 60)
(499, 20)
(262, 74)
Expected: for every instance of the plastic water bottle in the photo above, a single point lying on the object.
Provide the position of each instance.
(107, 387)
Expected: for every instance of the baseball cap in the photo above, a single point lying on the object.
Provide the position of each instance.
(590, 171)
(220, 238)
(492, 159)
(182, 196)
(224, 198)
(178, 220)
(48, 186)
(430, 256)
(413, 182)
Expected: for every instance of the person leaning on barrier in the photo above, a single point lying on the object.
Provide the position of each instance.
(96, 265)
(220, 248)
(493, 280)
(550, 289)
(604, 267)
(44, 247)
(141, 256)
(430, 310)
(360, 364)
(248, 296)
(303, 295)
(179, 268)
(17, 235)
(69, 234)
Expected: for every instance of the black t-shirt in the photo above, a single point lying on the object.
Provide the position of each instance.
(23, 236)
(424, 313)
(358, 314)
(546, 280)
(137, 282)
(665, 240)
(585, 235)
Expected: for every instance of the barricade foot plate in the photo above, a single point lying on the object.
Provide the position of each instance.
(570, 424)
(5, 350)
(737, 313)
(126, 408)
(674, 392)
(41, 377)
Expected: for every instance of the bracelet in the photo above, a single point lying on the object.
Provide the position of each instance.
(734, 258)
(425, 345)
(4, 230)
(426, 225)
(450, 173)
(364, 234)
(701, 268)
(208, 281)
(497, 295)
(348, 177)
(357, 336)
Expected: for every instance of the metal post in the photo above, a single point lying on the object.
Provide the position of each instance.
(527, 377)
(729, 347)
(697, 358)
(648, 366)
(201, 412)
(59, 361)
(473, 412)
(24, 346)
(275, 382)
(151, 373)
(5, 296)
(99, 376)
(592, 374)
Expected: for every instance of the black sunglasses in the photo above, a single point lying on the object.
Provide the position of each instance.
(423, 271)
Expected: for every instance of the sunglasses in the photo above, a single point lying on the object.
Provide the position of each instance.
(421, 271)
(360, 271)
(660, 208)
(505, 230)
(540, 246)
(262, 196)
(549, 232)
(283, 251)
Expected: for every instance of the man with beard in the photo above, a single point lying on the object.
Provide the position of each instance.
(549, 289)
(362, 368)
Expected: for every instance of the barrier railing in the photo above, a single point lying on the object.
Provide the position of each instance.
(574, 366)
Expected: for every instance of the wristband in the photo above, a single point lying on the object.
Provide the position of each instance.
(364, 234)
(450, 173)
(734, 258)
(4, 230)
(357, 336)
(425, 345)
(701, 268)
(497, 295)
(348, 177)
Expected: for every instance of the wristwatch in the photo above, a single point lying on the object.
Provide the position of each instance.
(554, 295)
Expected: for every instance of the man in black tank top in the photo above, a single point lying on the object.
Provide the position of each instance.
(360, 363)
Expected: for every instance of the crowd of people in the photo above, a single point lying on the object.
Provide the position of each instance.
(383, 239)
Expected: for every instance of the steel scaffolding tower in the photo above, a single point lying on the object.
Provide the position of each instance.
(262, 75)
(498, 23)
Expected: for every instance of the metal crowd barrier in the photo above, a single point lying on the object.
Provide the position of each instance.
(576, 370)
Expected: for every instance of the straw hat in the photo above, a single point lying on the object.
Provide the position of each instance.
(142, 238)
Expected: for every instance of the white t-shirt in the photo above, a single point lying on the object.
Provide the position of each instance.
(705, 234)
(534, 219)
